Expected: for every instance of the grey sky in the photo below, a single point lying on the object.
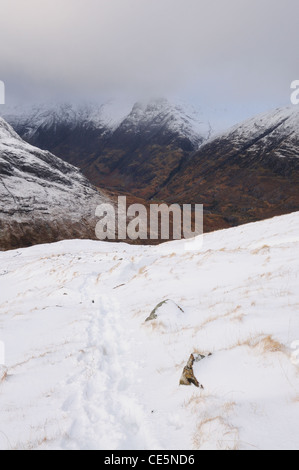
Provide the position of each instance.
(237, 56)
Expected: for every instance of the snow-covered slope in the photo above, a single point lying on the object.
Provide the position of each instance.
(85, 371)
(276, 131)
(42, 198)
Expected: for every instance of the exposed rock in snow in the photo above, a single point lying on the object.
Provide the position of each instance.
(188, 377)
(166, 310)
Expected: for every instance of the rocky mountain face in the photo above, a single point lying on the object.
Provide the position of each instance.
(161, 152)
(246, 174)
(42, 198)
(137, 150)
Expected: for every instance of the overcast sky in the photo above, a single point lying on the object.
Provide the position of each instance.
(238, 57)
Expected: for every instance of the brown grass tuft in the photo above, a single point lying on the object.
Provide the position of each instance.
(217, 434)
(261, 250)
(231, 315)
(3, 374)
(195, 401)
(268, 344)
(264, 344)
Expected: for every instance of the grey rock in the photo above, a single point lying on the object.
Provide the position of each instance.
(154, 313)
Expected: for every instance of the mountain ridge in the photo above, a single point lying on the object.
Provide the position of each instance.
(248, 173)
(141, 145)
(43, 199)
(245, 174)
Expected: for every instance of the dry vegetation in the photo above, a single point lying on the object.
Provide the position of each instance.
(3, 374)
(217, 431)
(262, 344)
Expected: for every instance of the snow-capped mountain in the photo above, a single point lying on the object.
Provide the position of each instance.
(135, 147)
(163, 151)
(43, 199)
(83, 370)
(152, 117)
(271, 135)
(30, 122)
(159, 117)
(248, 173)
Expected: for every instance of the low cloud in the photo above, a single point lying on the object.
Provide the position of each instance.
(218, 52)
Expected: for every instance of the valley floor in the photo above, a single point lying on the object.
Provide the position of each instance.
(85, 371)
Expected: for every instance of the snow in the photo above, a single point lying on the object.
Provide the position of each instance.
(179, 118)
(283, 124)
(85, 371)
(36, 185)
(106, 116)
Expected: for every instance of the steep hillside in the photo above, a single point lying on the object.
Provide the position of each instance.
(135, 149)
(160, 152)
(42, 198)
(248, 173)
